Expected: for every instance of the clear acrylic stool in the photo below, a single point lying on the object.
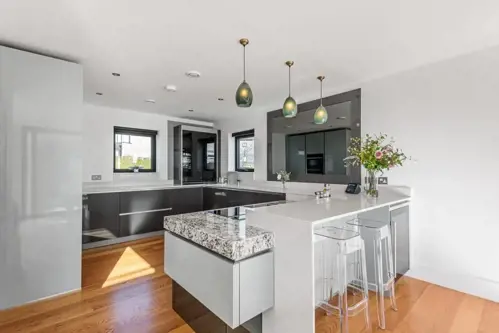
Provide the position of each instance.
(381, 234)
(344, 267)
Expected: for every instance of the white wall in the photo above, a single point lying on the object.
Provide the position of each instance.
(98, 138)
(445, 115)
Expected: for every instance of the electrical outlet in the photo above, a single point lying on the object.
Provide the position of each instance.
(383, 180)
(96, 177)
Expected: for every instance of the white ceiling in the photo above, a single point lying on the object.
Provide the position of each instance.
(154, 42)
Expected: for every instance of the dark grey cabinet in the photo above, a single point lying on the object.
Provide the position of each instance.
(186, 200)
(112, 215)
(141, 223)
(143, 201)
(214, 198)
(143, 211)
(296, 159)
(315, 143)
(100, 217)
(335, 151)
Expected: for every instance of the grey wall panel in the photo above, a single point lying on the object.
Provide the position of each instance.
(40, 177)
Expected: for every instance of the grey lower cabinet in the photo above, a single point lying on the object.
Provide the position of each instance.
(143, 211)
(113, 215)
(399, 217)
(235, 292)
(100, 217)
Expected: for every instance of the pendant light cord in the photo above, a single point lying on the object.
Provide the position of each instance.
(289, 81)
(321, 92)
(244, 63)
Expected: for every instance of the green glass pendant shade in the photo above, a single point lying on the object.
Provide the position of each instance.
(244, 95)
(320, 115)
(289, 109)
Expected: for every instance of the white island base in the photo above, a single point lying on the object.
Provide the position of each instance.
(296, 272)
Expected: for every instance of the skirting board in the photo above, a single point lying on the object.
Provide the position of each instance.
(47, 298)
(472, 285)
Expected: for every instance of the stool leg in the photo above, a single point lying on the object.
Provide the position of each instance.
(380, 294)
(391, 272)
(342, 291)
(365, 284)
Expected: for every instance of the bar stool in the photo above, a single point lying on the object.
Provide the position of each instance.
(344, 266)
(381, 233)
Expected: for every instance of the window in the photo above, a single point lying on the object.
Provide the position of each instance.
(134, 150)
(209, 156)
(245, 151)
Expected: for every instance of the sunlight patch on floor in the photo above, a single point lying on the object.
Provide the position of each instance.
(130, 266)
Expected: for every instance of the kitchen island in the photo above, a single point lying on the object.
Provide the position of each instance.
(294, 260)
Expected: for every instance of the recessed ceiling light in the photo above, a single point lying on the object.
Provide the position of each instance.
(220, 99)
(193, 74)
(99, 93)
(150, 101)
(116, 74)
(191, 110)
(289, 126)
(171, 88)
(341, 118)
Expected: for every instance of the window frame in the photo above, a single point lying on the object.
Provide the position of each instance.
(135, 132)
(237, 137)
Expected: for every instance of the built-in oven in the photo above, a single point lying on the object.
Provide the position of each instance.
(315, 164)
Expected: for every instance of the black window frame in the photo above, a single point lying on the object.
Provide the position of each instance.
(237, 137)
(136, 132)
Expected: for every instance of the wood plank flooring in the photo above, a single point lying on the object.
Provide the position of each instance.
(125, 290)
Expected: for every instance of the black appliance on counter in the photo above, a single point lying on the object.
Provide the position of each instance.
(315, 164)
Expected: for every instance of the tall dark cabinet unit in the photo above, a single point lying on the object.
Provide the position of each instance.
(196, 155)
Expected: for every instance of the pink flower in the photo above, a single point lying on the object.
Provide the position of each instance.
(378, 154)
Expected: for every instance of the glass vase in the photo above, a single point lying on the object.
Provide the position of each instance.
(371, 186)
(283, 185)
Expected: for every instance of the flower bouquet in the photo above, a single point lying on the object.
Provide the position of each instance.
(283, 177)
(376, 154)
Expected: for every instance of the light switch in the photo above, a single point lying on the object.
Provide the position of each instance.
(383, 180)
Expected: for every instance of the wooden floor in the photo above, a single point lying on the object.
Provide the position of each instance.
(125, 290)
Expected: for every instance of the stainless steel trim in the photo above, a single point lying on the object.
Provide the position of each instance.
(147, 211)
(221, 194)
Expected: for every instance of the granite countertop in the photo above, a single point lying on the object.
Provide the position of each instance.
(228, 237)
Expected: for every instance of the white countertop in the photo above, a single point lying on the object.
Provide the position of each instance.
(339, 205)
(111, 187)
(302, 206)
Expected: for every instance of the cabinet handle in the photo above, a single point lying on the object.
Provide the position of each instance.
(147, 211)
(221, 194)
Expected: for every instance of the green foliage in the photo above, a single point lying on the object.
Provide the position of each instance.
(126, 163)
(374, 153)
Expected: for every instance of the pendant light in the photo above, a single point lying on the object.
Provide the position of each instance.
(289, 108)
(244, 95)
(320, 115)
